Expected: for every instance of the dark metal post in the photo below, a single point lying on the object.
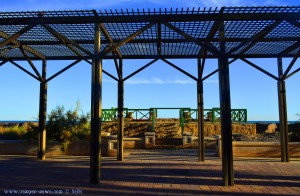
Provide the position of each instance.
(120, 112)
(42, 114)
(283, 127)
(226, 131)
(200, 106)
(96, 111)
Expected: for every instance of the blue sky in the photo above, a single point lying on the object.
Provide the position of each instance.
(157, 86)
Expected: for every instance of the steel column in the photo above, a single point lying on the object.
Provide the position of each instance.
(225, 106)
(96, 111)
(283, 126)
(42, 114)
(200, 106)
(120, 112)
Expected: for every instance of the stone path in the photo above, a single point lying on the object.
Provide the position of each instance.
(148, 172)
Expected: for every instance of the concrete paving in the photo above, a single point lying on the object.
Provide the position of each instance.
(147, 172)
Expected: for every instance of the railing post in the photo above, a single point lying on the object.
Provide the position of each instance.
(42, 114)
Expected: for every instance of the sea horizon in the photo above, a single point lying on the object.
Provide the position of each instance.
(249, 122)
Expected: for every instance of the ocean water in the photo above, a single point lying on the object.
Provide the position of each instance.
(250, 121)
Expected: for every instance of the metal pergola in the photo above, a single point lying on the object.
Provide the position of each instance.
(227, 34)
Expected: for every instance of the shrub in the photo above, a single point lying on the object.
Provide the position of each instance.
(68, 125)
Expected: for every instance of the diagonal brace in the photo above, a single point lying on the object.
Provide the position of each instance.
(291, 64)
(294, 72)
(117, 65)
(109, 38)
(25, 47)
(16, 35)
(209, 75)
(181, 70)
(3, 62)
(20, 67)
(255, 38)
(127, 39)
(69, 43)
(208, 46)
(63, 70)
(142, 68)
(260, 69)
(31, 64)
(108, 74)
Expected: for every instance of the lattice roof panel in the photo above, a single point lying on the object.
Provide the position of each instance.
(270, 31)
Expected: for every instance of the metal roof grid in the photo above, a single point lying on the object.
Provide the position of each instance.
(76, 31)
(294, 52)
(90, 47)
(198, 29)
(143, 12)
(167, 33)
(37, 33)
(238, 29)
(261, 9)
(121, 31)
(11, 29)
(54, 50)
(285, 29)
(32, 14)
(244, 29)
(15, 52)
(269, 47)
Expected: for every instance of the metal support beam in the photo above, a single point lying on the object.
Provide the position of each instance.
(105, 72)
(140, 69)
(283, 125)
(23, 69)
(225, 106)
(109, 38)
(31, 64)
(16, 35)
(200, 107)
(291, 74)
(291, 64)
(69, 43)
(42, 115)
(120, 112)
(179, 69)
(63, 70)
(255, 38)
(127, 39)
(209, 75)
(159, 42)
(117, 65)
(289, 49)
(208, 46)
(259, 68)
(25, 47)
(96, 111)
(2, 63)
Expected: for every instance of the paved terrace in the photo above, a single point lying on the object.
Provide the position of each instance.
(150, 172)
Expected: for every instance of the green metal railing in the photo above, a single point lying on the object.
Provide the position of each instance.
(186, 115)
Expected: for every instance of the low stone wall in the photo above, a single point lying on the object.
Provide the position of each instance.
(260, 149)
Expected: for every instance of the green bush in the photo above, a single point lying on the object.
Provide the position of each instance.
(68, 125)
